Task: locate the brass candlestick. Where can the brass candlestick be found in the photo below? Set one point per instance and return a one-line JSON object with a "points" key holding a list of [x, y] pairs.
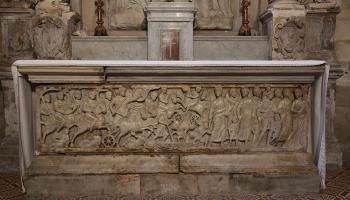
{"points": [[245, 29], [100, 30]]}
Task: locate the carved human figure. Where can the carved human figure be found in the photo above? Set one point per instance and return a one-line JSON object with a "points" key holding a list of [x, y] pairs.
{"points": [[257, 98], [246, 111], [155, 109], [202, 108], [61, 104], [86, 121], [218, 119], [191, 96], [299, 109], [284, 109], [151, 105], [51, 121], [233, 122], [119, 106], [266, 118]]}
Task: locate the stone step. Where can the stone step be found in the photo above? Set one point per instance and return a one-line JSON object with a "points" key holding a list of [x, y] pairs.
{"points": [[169, 184], [258, 163]]}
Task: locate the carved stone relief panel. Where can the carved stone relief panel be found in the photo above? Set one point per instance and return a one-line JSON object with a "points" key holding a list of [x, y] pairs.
{"points": [[289, 38], [214, 14], [172, 118], [126, 14], [211, 15]]}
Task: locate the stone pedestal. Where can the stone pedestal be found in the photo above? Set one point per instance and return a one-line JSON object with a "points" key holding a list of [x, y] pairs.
{"points": [[170, 30], [284, 23]]}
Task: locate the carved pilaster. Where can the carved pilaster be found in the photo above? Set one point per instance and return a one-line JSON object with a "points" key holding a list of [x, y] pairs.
{"points": [[284, 23]]}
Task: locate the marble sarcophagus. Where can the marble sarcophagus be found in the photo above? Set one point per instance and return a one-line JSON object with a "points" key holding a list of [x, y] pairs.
{"points": [[182, 128]]}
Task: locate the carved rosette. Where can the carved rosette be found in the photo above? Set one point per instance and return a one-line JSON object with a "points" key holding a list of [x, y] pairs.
{"points": [[172, 118], [288, 41]]}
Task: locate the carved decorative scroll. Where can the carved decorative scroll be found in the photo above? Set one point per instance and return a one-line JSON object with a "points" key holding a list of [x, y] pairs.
{"points": [[172, 118]]}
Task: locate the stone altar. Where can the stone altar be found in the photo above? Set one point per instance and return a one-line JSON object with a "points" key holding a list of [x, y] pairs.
{"points": [[152, 127]]}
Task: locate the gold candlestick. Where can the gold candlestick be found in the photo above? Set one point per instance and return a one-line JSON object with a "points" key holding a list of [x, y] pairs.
{"points": [[245, 29], [100, 30]]}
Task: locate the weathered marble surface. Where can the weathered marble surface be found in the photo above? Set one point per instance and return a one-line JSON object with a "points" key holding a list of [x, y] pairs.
{"points": [[171, 118]]}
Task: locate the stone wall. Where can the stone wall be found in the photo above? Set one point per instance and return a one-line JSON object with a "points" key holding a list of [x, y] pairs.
{"points": [[342, 49]]}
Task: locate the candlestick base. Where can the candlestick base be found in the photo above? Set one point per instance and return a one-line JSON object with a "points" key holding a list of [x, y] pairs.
{"points": [[245, 30], [100, 30]]}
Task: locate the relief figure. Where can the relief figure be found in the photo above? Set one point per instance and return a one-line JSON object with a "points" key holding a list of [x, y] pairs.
{"points": [[219, 126], [266, 117], [246, 111], [299, 111], [234, 98]]}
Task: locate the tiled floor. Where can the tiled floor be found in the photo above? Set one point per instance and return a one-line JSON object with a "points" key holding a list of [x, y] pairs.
{"points": [[338, 188]]}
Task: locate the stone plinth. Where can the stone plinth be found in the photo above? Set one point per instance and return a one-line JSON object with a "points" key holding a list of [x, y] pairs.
{"points": [[170, 30], [160, 127]]}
